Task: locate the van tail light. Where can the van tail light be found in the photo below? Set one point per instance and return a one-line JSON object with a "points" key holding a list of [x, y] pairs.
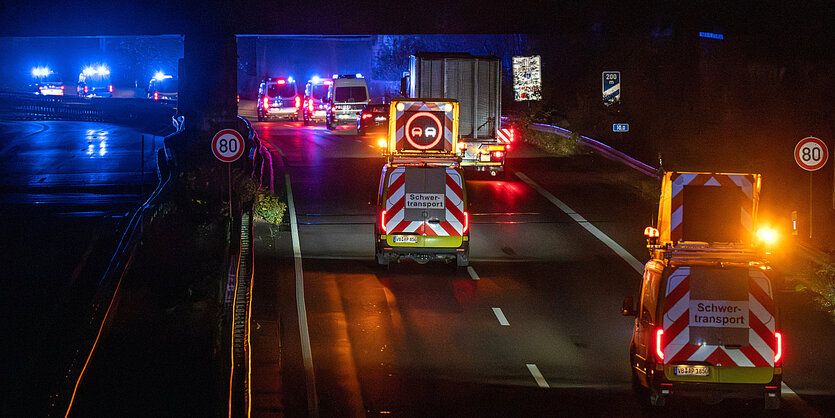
{"points": [[310, 105], [366, 116], [383, 221], [466, 221], [266, 102], [110, 88], [298, 102], [156, 95], [659, 352], [778, 349], [512, 135], [498, 155], [62, 86], [86, 89]]}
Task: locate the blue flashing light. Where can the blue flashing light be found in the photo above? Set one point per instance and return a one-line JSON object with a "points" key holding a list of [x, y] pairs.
{"points": [[359, 75], [315, 79], [711, 35], [335, 76], [41, 71], [159, 76], [290, 79]]}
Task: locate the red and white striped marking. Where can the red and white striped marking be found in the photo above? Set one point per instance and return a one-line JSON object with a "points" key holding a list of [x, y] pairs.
{"points": [[505, 136], [455, 221], [744, 182], [675, 342]]}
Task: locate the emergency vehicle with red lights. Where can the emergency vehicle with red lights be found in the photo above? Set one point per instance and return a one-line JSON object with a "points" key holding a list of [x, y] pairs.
{"points": [[706, 322], [278, 97], [475, 82], [94, 81], [347, 95], [314, 105], [422, 198]]}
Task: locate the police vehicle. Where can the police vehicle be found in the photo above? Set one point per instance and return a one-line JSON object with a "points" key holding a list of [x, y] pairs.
{"points": [[46, 82], [163, 87], [347, 96], [278, 97], [314, 105], [94, 81]]}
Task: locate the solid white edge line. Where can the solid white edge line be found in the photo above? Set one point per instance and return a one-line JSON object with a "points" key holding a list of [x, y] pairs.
{"points": [[307, 354], [500, 316], [537, 375], [472, 272], [620, 251]]}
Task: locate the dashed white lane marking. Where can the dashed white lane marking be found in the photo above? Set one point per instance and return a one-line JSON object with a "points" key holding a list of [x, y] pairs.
{"points": [[620, 251], [307, 354], [500, 316], [472, 273], [537, 375]]}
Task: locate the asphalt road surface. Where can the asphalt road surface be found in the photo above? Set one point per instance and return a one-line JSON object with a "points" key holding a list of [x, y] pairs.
{"points": [[65, 189], [532, 328]]}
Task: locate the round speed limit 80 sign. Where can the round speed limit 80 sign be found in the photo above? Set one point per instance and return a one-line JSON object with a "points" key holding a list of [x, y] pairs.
{"points": [[228, 145], [811, 153]]}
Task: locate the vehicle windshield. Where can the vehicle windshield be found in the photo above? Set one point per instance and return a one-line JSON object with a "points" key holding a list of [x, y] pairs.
{"points": [[53, 78], [167, 85], [350, 94], [319, 91], [97, 81], [281, 90]]}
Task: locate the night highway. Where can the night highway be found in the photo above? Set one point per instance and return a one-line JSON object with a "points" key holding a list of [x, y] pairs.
{"points": [[417, 209], [531, 328]]}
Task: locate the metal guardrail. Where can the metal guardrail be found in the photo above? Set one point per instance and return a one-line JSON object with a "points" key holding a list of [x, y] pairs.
{"points": [[599, 147], [35, 107]]}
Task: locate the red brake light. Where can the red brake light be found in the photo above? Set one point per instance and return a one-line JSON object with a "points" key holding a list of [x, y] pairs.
{"points": [[282, 81], [110, 88], [156, 95], [383, 221], [466, 221], [366, 116], [512, 135], [498, 155], [298, 102], [778, 352], [266, 102], [310, 105], [659, 352], [86, 89]]}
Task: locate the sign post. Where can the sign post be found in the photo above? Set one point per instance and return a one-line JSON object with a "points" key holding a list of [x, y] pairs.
{"points": [[228, 146], [811, 155]]}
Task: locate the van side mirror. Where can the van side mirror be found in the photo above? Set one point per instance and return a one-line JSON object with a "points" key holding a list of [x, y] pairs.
{"points": [[628, 308], [404, 86]]}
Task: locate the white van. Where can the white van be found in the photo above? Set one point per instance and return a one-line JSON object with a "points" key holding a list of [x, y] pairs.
{"points": [[346, 98]]}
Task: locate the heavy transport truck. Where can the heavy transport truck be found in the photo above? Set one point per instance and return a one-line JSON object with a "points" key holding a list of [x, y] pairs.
{"points": [[475, 82]]}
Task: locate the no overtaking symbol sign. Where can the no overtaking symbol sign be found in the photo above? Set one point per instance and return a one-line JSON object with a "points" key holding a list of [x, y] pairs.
{"points": [[228, 145], [811, 154]]}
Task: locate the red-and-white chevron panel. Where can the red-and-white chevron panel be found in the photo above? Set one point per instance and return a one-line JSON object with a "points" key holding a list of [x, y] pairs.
{"points": [[676, 321], [743, 182], [455, 220], [505, 136]]}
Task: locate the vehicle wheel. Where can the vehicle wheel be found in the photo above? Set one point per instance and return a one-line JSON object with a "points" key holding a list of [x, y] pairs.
{"points": [[772, 402], [656, 399], [328, 125], [462, 259], [306, 121], [383, 259]]}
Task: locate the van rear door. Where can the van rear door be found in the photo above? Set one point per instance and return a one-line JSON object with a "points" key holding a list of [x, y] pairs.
{"points": [[722, 318], [425, 201]]}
